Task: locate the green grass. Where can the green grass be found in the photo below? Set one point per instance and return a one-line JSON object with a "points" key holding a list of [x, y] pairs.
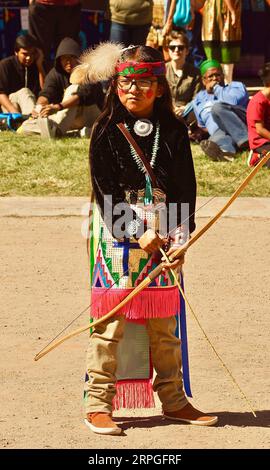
{"points": [[39, 167], [31, 166]]}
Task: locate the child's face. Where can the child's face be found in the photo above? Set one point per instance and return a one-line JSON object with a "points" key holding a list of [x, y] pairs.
{"points": [[138, 95]]}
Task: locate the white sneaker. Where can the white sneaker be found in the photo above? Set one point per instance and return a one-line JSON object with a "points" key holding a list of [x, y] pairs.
{"points": [[85, 132]]}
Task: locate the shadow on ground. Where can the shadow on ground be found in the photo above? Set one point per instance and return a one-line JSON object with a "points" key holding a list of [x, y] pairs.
{"points": [[226, 418]]}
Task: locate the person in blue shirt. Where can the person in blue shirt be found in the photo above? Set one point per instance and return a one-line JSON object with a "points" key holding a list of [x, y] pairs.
{"points": [[221, 110]]}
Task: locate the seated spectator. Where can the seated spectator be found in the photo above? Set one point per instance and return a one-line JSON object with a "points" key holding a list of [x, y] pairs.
{"points": [[184, 79], [221, 110], [63, 106], [258, 120], [21, 77]]}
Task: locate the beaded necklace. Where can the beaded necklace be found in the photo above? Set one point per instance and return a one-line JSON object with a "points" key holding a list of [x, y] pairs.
{"points": [[135, 156]]}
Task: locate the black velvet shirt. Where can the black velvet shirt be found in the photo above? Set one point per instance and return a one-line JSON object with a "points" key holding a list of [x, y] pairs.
{"points": [[114, 171]]}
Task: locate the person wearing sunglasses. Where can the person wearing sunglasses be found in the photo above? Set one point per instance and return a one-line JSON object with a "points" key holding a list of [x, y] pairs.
{"points": [[221, 109], [184, 79]]}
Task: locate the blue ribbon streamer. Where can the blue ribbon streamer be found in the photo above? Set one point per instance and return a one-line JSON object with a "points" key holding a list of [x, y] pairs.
{"points": [[182, 322]]}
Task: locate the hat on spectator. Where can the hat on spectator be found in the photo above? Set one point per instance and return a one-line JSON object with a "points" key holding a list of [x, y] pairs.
{"points": [[209, 64]]}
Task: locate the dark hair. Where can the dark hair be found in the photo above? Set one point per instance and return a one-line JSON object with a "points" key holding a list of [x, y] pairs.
{"points": [[25, 41], [163, 105], [264, 74]]}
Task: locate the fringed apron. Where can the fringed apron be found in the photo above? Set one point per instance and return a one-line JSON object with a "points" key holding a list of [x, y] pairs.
{"points": [[116, 268]]}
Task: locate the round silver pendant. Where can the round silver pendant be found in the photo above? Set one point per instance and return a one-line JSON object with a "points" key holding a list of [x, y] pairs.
{"points": [[143, 127]]}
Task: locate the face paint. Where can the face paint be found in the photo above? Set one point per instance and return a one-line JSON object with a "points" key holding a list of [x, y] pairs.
{"points": [[121, 92], [137, 102], [149, 93]]}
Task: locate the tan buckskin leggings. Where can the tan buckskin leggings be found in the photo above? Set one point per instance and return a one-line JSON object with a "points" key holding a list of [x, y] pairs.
{"points": [[102, 363]]}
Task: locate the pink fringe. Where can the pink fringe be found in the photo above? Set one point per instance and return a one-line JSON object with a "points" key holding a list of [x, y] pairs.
{"points": [[150, 303], [134, 394]]}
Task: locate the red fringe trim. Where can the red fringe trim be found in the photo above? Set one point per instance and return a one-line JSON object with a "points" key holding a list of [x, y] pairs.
{"points": [[150, 303], [134, 394]]}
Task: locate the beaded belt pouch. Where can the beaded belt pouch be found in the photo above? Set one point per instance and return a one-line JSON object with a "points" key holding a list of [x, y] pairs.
{"points": [[138, 197]]}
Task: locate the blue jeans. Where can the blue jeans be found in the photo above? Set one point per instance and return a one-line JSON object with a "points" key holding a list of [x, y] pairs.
{"points": [[129, 34], [232, 128]]}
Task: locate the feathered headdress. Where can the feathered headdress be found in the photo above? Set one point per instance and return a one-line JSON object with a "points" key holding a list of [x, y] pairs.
{"points": [[104, 62], [97, 64]]}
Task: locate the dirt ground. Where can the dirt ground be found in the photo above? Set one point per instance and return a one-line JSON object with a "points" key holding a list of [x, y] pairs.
{"points": [[44, 285]]}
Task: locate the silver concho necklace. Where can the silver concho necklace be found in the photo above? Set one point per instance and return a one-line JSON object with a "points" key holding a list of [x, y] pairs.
{"points": [[154, 150], [143, 127]]}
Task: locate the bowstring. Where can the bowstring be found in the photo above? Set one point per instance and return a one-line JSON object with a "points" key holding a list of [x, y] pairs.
{"points": [[81, 313], [127, 270], [207, 202], [195, 317]]}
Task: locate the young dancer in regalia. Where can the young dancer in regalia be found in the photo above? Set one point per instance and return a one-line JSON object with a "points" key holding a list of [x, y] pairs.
{"points": [[127, 236]]}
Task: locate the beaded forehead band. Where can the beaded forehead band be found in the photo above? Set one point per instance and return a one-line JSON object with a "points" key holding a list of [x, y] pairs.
{"points": [[134, 69]]}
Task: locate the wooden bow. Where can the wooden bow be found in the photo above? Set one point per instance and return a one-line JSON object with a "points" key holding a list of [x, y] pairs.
{"points": [[156, 272]]}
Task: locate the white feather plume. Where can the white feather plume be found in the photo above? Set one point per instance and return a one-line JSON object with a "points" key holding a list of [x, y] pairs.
{"points": [[98, 64], [78, 74]]}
